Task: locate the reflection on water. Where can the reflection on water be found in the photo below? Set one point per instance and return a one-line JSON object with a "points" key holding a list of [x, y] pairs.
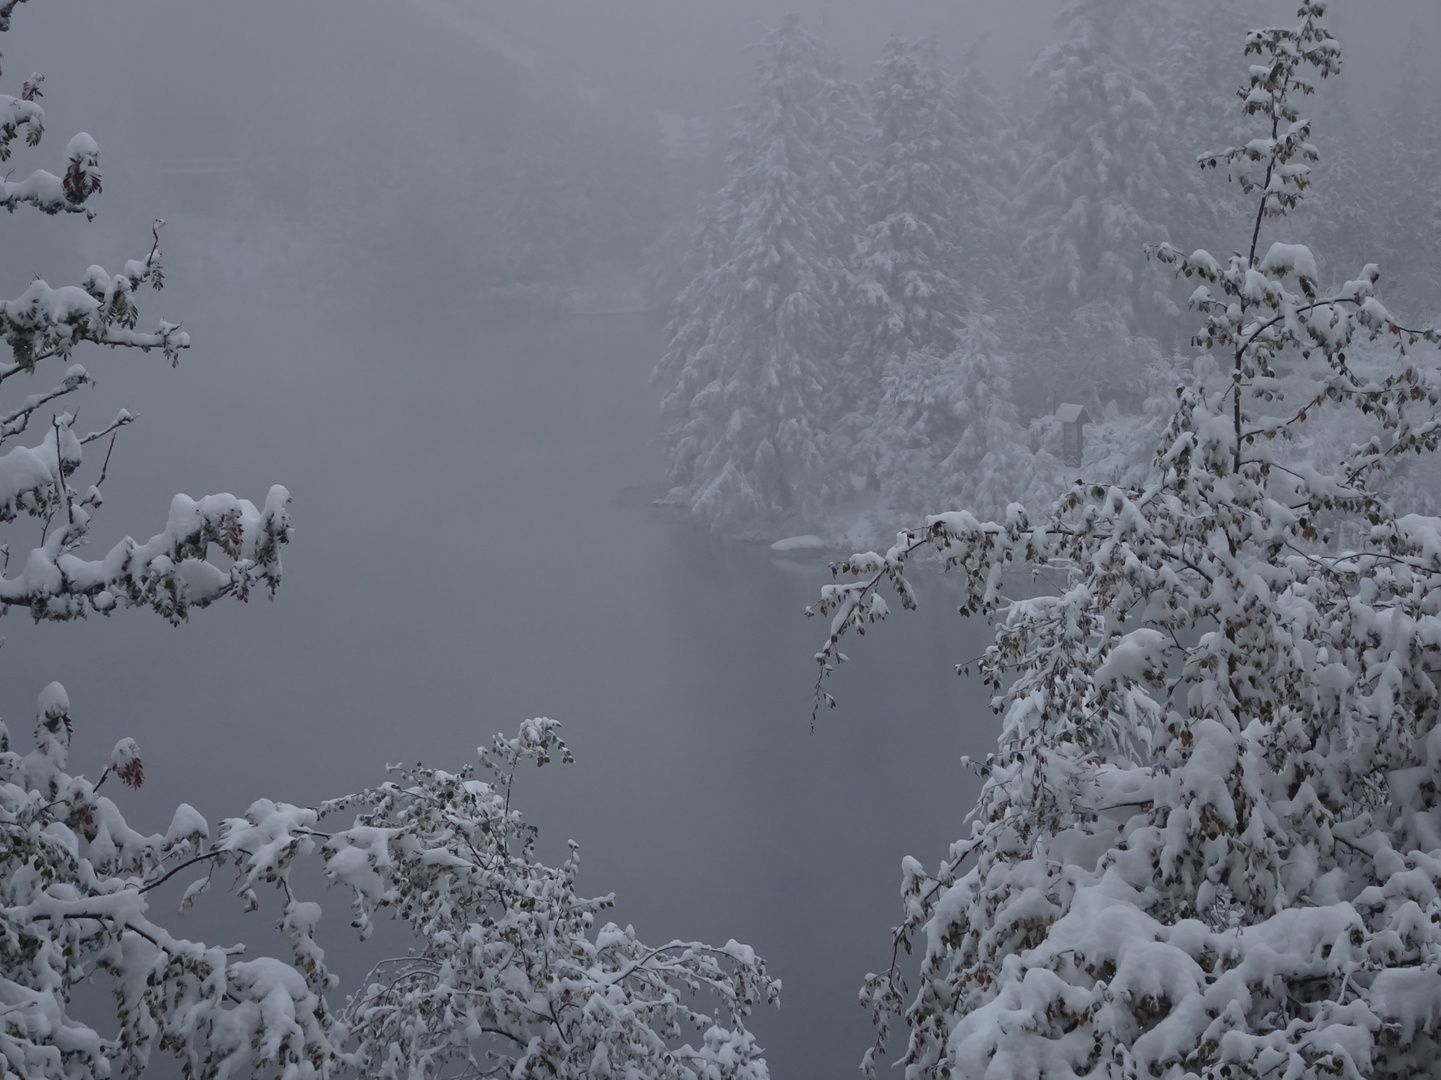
{"points": [[476, 544]]}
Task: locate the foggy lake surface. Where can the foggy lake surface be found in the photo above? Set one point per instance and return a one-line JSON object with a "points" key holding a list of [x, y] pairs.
{"points": [[476, 544]]}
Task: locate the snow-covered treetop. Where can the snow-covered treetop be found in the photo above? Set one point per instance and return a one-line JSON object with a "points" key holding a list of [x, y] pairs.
{"points": [[752, 352], [907, 259], [511, 975], [1210, 840], [1085, 217], [515, 977]]}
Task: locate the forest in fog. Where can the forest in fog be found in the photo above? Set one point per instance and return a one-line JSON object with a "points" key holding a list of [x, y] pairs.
{"points": [[601, 374], [966, 234]]}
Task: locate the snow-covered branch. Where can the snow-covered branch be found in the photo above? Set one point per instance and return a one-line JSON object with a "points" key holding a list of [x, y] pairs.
{"points": [[511, 971]]}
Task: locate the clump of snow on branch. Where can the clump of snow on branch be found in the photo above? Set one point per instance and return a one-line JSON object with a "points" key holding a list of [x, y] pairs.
{"points": [[74, 879]]}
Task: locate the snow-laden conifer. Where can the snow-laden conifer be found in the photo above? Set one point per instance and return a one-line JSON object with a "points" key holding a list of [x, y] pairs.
{"points": [[926, 382], [987, 156], [961, 438], [909, 304], [1209, 844], [907, 253], [1103, 181], [750, 369], [1189, 65]]}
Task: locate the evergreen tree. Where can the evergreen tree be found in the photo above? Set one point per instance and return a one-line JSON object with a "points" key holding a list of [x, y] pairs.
{"points": [[1130, 80], [925, 373], [907, 253], [910, 306], [1208, 845], [949, 430], [751, 365], [985, 152], [1190, 67], [1101, 183]]}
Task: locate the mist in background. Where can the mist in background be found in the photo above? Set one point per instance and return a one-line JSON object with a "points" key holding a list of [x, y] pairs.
{"points": [[420, 248]]}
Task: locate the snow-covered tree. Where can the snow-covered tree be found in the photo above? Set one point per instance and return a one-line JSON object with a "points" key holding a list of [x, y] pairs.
{"points": [[988, 156], [1208, 843], [1128, 79], [510, 975], [750, 369], [910, 305], [946, 429], [1128, 84], [907, 252], [74, 879], [1099, 187], [925, 384], [1189, 67], [513, 977]]}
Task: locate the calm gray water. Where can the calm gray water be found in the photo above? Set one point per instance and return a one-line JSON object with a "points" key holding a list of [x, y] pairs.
{"points": [[476, 544]]}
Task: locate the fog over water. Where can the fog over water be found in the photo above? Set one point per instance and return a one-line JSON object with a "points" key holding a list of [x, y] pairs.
{"points": [[476, 540]]}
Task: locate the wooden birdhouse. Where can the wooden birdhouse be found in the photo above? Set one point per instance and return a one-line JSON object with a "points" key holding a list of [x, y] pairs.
{"points": [[1074, 419]]}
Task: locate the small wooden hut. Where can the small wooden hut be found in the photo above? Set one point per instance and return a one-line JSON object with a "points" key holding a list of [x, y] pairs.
{"points": [[1074, 419]]}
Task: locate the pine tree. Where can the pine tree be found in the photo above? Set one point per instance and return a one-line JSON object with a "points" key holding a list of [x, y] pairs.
{"points": [[928, 385], [1191, 69], [985, 151], [751, 364], [1100, 185], [1129, 80], [1209, 842], [907, 252], [910, 306], [950, 432]]}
